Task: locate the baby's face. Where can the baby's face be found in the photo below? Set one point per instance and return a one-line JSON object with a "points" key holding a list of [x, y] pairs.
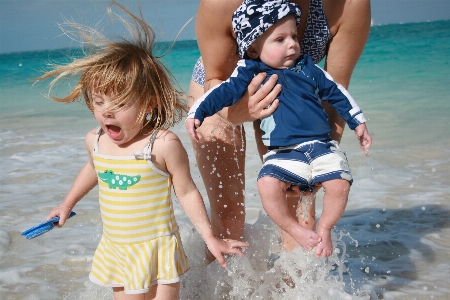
{"points": [[278, 47]]}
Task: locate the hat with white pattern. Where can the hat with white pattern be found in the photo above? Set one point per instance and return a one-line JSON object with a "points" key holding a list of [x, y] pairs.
{"points": [[254, 17]]}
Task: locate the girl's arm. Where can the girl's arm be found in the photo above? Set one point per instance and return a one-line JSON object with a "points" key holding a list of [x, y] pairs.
{"points": [[168, 149], [85, 181]]}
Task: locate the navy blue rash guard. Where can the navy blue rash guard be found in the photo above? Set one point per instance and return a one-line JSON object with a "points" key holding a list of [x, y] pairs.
{"points": [[300, 117]]}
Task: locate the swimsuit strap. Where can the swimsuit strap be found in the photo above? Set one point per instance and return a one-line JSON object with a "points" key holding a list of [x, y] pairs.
{"points": [[148, 148], [97, 135]]}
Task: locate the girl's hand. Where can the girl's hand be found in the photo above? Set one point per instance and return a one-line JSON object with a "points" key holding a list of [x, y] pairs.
{"points": [[255, 103], [364, 138], [62, 212], [226, 246]]}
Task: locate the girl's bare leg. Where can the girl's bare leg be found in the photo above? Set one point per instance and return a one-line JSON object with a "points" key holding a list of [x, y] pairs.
{"points": [[273, 198], [334, 203], [156, 292]]}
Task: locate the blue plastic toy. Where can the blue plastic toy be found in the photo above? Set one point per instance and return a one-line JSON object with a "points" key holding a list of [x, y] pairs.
{"points": [[43, 227]]}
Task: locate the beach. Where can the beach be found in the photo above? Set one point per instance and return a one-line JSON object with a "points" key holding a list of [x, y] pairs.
{"points": [[393, 241]]}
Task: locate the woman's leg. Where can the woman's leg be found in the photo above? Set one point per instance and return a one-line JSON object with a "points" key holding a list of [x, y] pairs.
{"points": [[156, 292], [303, 209], [221, 162]]}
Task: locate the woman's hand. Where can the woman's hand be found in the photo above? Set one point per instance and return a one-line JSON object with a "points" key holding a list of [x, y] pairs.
{"points": [[258, 102]]}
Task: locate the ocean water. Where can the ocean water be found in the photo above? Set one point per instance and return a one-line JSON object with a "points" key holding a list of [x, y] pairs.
{"points": [[393, 241]]}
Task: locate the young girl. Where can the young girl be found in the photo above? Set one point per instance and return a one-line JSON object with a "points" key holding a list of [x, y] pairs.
{"points": [[134, 159]]}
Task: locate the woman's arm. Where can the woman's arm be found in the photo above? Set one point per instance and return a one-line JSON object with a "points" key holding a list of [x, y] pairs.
{"points": [[217, 46], [215, 39], [350, 24]]}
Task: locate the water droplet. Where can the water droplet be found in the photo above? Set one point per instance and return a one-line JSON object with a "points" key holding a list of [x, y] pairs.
{"points": [[378, 225], [433, 170], [425, 288], [225, 206], [423, 208], [366, 270], [388, 271]]}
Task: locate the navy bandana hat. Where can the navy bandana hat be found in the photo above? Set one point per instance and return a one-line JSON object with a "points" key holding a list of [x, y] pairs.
{"points": [[254, 17]]}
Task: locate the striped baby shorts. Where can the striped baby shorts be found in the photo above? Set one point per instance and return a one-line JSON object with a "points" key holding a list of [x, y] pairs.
{"points": [[307, 164]]}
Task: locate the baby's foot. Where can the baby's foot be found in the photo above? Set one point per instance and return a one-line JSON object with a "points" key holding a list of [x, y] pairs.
{"points": [[325, 247], [307, 238]]}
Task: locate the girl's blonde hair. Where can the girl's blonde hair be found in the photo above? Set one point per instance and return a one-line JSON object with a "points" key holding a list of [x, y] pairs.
{"points": [[122, 70]]}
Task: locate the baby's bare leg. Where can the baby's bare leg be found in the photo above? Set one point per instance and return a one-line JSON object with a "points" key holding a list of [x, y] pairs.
{"points": [[334, 202], [273, 198]]}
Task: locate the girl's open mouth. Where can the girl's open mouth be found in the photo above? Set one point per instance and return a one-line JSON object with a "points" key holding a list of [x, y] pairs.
{"points": [[113, 131]]}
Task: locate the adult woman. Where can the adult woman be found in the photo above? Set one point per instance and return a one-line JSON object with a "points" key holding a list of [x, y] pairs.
{"points": [[337, 29]]}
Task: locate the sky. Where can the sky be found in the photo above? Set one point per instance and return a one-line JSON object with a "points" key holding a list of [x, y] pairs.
{"points": [[30, 25]]}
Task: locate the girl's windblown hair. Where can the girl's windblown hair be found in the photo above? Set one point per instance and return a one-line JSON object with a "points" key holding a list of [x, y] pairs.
{"points": [[124, 70]]}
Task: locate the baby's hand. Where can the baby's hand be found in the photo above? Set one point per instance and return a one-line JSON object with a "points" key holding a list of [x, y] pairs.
{"points": [[364, 138], [191, 126], [226, 246]]}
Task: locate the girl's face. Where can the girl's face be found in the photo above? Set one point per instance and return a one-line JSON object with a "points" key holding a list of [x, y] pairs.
{"points": [[120, 124], [278, 47]]}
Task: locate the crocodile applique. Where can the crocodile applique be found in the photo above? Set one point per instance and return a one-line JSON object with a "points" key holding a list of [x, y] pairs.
{"points": [[118, 180]]}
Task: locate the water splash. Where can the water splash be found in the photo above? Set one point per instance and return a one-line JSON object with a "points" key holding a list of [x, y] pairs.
{"points": [[267, 272]]}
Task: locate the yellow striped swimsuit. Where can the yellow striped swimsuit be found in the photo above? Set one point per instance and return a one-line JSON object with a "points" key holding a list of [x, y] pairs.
{"points": [[140, 244]]}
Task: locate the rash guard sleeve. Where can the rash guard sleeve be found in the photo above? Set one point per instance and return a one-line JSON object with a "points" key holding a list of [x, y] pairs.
{"points": [[225, 94]]}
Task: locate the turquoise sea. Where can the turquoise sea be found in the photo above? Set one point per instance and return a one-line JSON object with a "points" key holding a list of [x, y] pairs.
{"points": [[393, 241]]}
